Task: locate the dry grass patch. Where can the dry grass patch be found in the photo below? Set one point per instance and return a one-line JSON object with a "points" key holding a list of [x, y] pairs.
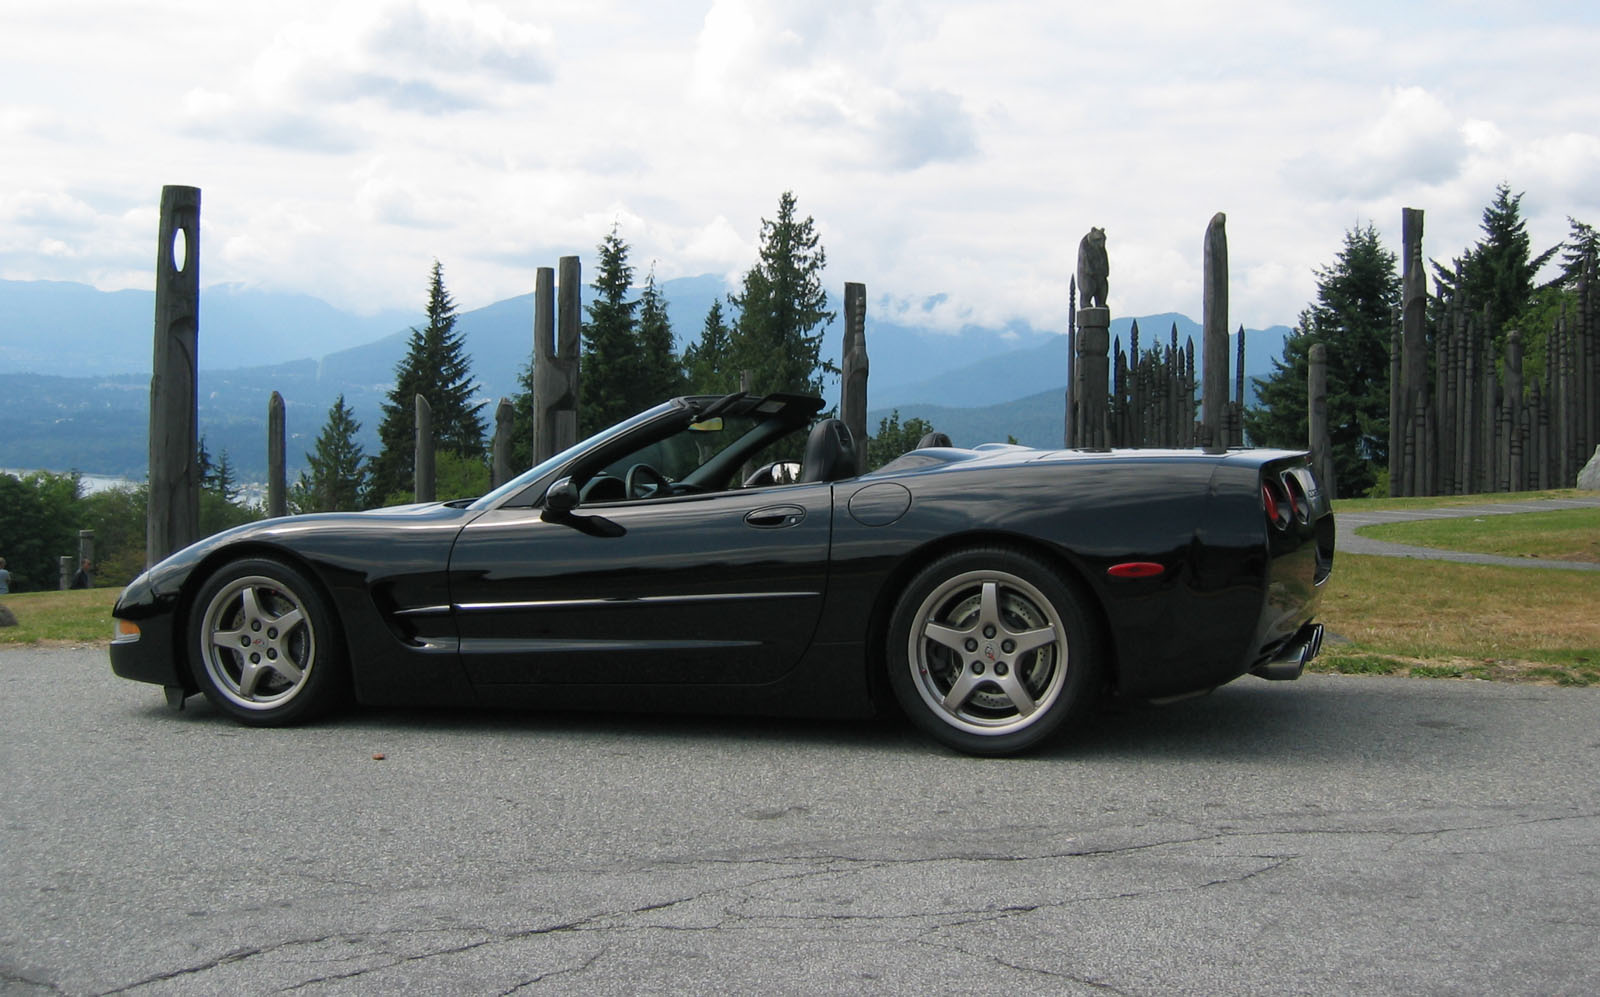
{"points": [[1400, 616]]}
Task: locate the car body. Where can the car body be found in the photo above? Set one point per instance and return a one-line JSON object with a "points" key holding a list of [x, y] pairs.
{"points": [[993, 592]]}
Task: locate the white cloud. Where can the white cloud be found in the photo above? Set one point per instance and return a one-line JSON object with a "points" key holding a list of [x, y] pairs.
{"points": [[1414, 141], [951, 153]]}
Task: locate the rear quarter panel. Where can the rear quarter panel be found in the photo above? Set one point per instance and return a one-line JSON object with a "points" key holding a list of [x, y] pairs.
{"points": [[1195, 625]]}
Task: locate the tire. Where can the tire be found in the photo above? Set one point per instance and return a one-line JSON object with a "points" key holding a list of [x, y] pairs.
{"points": [[264, 646], [991, 652]]}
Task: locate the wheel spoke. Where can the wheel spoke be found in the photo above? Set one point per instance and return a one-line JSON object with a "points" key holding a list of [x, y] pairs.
{"points": [[1028, 640], [287, 622], [948, 636], [286, 667], [960, 691], [989, 607], [1018, 693], [249, 678], [228, 640], [251, 606]]}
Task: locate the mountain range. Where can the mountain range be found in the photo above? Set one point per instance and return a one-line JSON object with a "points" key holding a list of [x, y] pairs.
{"points": [[75, 361]]}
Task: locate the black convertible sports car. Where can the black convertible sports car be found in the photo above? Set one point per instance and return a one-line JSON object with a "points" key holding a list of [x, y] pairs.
{"points": [[678, 561]]}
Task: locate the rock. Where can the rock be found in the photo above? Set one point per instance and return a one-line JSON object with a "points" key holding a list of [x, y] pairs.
{"points": [[1589, 477], [7, 618]]}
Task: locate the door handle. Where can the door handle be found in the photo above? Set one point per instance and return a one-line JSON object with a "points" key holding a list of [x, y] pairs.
{"points": [[776, 517]]}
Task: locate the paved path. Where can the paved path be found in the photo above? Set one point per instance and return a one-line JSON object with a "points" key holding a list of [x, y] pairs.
{"points": [[1350, 543]]}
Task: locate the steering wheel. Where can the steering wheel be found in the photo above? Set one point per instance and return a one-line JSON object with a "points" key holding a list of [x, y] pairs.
{"points": [[643, 476]]}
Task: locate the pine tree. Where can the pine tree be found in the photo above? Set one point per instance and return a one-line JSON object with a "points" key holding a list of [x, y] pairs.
{"points": [[437, 368], [1352, 316], [335, 478], [709, 369], [204, 465], [223, 481], [1579, 252], [783, 307], [661, 374], [611, 363], [1498, 273], [894, 438]]}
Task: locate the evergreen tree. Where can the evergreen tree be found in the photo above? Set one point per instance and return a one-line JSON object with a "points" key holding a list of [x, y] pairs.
{"points": [[335, 479], [1578, 253], [661, 375], [611, 363], [1352, 316], [894, 438], [706, 362], [783, 307], [1498, 273], [436, 367], [204, 465], [522, 417], [223, 481]]}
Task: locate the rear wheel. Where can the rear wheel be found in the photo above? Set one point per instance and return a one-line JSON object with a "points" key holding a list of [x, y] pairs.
{"points": [[264, 645], [991, 652]]}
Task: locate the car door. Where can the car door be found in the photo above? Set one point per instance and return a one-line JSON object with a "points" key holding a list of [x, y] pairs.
{"points": [[718, 588]]}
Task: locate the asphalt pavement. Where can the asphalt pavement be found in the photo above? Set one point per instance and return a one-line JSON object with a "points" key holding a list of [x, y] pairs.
{"points": [[1334, 835]]}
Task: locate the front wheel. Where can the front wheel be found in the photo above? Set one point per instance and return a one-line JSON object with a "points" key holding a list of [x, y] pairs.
{"points": [[991, 652], [265, 648]]}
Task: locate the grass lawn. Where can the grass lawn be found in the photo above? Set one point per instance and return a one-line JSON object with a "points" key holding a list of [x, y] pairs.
{"points": [[1563, 535], [76, 616]]}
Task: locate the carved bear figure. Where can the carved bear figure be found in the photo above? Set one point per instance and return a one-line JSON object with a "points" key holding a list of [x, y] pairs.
{"points": [[1093, 269]]}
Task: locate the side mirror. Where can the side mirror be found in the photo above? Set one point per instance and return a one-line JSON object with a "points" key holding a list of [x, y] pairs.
{"points": [[562, 497]]}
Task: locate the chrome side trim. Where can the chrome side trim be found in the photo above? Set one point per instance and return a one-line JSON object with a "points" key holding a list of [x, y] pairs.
{"points": [[658, 600], [423, 611], [541, 645]]}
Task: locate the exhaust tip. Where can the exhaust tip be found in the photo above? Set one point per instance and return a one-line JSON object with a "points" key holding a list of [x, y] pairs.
{"points": [[1290, 662]]}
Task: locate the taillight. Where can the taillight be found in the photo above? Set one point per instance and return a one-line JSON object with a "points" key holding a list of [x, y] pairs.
{"points": [[1275, 504], [1297, 497]]}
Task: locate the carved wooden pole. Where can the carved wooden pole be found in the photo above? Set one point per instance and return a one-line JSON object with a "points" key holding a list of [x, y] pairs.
{"points": [[1394, 401], [1094, 339], [277, 496], [1414, 356], [1236, 408], [555, 373], [1317, 419], [172, 519], [500, 469], [568, 319], [1214, 281], [1070, 430], [425, 479], [1516, 479], [853, 382]]}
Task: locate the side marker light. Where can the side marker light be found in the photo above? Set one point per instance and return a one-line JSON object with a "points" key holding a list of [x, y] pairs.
{"points": [[1136, 569]]}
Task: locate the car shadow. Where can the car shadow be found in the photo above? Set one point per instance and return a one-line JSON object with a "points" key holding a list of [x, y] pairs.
{"points": [[1350, 719]]}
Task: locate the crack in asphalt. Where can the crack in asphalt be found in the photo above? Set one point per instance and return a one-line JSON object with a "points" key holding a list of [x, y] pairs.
{"points": [[832, 865], [582, 967]]}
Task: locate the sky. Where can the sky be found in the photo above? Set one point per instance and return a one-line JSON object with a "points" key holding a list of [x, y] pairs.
{"points": [[952, 154]]}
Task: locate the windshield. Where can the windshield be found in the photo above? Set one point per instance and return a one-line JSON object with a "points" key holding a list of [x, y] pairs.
{"points": [[543, 468]]}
